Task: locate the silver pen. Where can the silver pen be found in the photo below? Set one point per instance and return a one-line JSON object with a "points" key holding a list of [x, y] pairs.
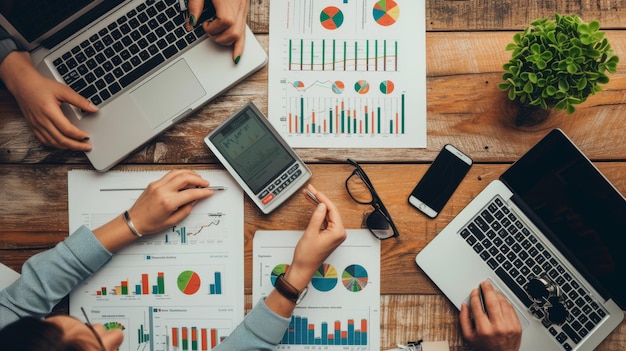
{"points": [[312, 196]]}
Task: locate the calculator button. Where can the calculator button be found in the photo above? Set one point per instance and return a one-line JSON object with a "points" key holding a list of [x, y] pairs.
{"points": [[267, 199]]}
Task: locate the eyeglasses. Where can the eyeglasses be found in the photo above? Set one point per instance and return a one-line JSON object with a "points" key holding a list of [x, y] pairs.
{"points": [[88, 324], [548, 302], [362, 191]]}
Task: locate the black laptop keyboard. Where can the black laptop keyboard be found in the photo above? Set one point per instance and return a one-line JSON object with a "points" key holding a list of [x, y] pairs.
{"points": [[126, 49], [515, 254]]}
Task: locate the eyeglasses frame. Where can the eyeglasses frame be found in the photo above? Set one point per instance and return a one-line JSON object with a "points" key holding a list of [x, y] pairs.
{"points": [[376, 202]]}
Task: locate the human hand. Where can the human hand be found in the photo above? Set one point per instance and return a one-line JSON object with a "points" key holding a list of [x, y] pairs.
{"points": [[497, 329], [229, 26], [324, 233], [40, 100], [168, 201]]}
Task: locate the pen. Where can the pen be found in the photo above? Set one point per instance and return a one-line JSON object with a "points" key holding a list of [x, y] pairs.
{"points": [[482, 298], [217, 187], [312, 196]]}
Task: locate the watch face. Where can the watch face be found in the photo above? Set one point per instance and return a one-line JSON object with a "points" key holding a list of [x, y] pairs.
{"points": [[302, 294]]}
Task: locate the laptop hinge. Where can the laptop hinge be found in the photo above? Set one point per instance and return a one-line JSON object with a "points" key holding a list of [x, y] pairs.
{"points": [[81, 22]]}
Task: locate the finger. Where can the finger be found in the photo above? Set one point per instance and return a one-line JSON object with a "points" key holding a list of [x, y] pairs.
{"points": [[194, 8], [479, 316], [70, 96], [317, 219], [492, 302], [63, 135], [467, 326], [238, 48]]}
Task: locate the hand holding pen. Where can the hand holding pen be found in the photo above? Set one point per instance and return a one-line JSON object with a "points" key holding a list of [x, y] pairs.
{"points": [[490, 323], [322, 235]]}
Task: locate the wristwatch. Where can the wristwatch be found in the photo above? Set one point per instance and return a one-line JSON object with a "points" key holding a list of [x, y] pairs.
{"points": [[289, 291]]}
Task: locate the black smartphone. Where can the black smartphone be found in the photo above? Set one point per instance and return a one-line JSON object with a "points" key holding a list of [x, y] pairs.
{"points": [[440, 181]]}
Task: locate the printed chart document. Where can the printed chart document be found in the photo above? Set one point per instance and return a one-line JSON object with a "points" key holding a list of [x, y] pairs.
{"points": [[341, 310], [181, 289], [348, 74]]}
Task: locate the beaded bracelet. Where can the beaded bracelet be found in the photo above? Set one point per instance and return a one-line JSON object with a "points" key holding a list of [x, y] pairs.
{"points": [[130, 224]]}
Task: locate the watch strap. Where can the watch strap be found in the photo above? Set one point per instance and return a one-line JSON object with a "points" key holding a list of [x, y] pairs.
{"points": [[287, 290]]}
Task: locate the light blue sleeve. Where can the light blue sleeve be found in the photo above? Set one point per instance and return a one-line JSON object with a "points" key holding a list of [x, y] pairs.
{"points": [[262, 329], [50, 275]]}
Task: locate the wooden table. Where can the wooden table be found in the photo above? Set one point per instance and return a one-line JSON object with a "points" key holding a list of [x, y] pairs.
{"points": [[465, 49]]}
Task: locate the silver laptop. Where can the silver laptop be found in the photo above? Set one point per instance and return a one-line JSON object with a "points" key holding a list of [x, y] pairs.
{"points": [[550, 234], [132, 58]]}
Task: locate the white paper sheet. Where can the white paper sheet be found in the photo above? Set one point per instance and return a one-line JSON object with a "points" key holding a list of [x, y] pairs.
{"points": [[343, 301], [348, 74], [186, 280]]}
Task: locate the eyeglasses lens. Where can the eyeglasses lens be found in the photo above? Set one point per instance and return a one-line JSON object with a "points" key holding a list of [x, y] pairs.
{"points": [[379, 225], [358, 190]]}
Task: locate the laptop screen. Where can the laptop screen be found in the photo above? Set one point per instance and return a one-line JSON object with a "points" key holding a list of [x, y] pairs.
{"points": [[585, 213], [34, 18]]}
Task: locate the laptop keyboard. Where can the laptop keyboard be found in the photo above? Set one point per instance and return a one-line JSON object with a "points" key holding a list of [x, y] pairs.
{"points": [[515, 254], [125, 50]]}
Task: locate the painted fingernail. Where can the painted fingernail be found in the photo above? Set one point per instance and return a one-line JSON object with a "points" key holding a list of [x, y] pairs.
{"points": [[85, 139], [192, 20], [237, 59]]}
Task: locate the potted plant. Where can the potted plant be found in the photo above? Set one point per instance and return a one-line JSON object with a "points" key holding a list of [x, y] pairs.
{"points": [[556, 64]]}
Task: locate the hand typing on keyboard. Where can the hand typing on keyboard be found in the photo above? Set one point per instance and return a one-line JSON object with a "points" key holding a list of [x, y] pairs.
{"points": [[40, 98], [495, 329], [229, 25]]}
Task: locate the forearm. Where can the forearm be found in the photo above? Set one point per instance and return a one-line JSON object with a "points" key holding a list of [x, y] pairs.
{"points": [[51, 275], [15, 68], [115, 234]]}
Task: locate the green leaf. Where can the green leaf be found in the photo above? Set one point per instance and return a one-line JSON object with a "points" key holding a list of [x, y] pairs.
{"points": [[572, 68], [528, 88]]}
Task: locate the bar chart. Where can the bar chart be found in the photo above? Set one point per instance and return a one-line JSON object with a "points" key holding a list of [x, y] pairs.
{"points": [[350, 332], [193, 338], [357, 115], [358, 55]]}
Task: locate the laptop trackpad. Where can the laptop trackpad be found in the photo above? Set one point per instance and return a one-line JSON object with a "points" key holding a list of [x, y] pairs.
{"points": [[168, 94]]}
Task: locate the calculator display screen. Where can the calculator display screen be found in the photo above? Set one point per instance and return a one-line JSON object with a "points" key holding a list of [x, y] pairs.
{"points": [[252, 150]]}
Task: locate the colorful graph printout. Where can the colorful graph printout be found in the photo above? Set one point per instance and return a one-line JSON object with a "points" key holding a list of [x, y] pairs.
{"points": [[331, 316], [192, 271], [347, 75]]}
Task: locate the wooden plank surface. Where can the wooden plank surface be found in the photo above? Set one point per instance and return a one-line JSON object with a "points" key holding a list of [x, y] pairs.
{"points": [[464, 106], [36, 215]]}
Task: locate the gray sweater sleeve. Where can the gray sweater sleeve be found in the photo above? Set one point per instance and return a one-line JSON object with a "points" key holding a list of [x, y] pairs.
{"points": [[50, 275], [7, 45], [262, 329]]}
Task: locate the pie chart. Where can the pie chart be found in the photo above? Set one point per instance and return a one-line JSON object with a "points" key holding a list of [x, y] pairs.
{"points": [[361, 87], [331, 18], [354, 278], [338, 87], [386, 87], [325, 278], [278, 270], [386, 12], [188, 282]]}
